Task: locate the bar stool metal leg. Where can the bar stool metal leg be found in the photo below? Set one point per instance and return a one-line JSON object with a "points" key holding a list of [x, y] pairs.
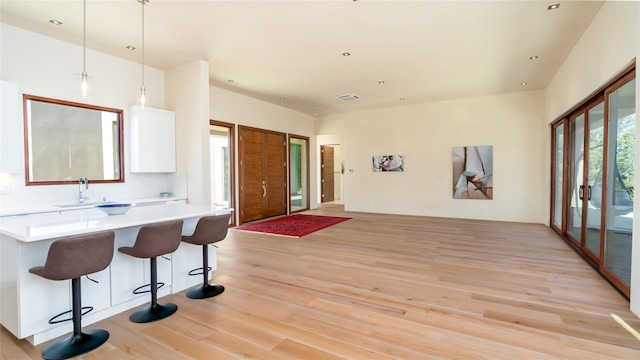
{"points": [[209, 230], [80, 342], [154, 311], [206, 290]]}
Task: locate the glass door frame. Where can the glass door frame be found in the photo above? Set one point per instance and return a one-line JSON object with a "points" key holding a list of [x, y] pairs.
{"points": [[232, 164], [571, 174], [588, 191], [306, 175], [564, 125], [585, 188]]}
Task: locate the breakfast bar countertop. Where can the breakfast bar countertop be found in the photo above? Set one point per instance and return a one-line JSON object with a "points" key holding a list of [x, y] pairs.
{"points": [[41, 209], [67, 223]]}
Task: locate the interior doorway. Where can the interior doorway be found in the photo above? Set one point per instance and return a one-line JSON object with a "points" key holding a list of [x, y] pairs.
{"points": [[336, 142], [222, 157], [327, 180]]}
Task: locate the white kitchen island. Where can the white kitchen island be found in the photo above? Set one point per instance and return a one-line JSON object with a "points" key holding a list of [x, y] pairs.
{"points": [[28, 301]]}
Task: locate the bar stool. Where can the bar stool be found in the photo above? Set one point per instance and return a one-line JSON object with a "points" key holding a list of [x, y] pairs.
{"points": [[154, 240], [209, 230], [71, 258]]}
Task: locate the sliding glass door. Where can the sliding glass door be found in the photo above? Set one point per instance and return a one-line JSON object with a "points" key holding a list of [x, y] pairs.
{"points": [[557, 176], [576, 181], [592, 188], [620, 178], [592, 196]]}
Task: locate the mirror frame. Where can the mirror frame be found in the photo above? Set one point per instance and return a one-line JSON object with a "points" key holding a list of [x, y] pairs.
{"points": [[120, 114]]}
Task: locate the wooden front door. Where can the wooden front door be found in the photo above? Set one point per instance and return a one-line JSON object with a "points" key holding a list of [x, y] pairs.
{"points": [[263, 172], [327, 180]]}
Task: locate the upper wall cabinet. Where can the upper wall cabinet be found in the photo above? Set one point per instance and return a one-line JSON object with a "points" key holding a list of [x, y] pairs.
{"points": [[11, 130], [153, 140]]}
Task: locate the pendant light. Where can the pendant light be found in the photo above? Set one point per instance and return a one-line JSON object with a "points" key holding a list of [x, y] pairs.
{"points": [[143, 98], [83, 79]]}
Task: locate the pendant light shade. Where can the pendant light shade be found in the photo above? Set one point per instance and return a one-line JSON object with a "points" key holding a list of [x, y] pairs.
{"points": [[83, 80], [143, 96], [84, 85]]}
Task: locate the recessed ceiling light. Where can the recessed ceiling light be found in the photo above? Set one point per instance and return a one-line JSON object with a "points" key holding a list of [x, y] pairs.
{"points": [[523, 83], [55, 22], [381, 82], [553, 7], [230, 81], [534, 57], [346, 54], [283, 98], [403, 99], [129, 47]]}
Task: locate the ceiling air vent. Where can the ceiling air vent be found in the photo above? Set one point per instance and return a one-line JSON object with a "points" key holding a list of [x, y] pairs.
{"points": [[347, 97]]}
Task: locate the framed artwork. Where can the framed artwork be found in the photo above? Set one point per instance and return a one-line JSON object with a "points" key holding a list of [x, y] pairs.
{"points": [[384, 163], [473, 172]]}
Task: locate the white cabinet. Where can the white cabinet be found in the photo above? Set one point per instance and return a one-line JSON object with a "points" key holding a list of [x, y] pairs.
{"points": [[153, 140], [11, 158]]}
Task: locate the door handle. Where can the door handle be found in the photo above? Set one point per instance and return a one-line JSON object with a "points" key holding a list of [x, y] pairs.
{"points": [[264, 190], [589, 192], [581, 192]]}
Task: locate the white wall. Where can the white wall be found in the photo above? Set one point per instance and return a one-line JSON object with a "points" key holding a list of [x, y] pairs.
{"points": [[45, 67], [610, 43], [239, 109], [188, 95], [607, 46], [425, 134]]}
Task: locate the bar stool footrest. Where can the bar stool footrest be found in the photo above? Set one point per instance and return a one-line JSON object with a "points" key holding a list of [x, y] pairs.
{"points": [[199, 271], [138, 290], [85, 310]]}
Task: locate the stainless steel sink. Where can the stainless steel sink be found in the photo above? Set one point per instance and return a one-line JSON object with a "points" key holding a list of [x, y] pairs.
{"points": [[85, 204]]}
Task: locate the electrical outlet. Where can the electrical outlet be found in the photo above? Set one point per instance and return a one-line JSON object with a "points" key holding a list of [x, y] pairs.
{"points": [[6, 189]]}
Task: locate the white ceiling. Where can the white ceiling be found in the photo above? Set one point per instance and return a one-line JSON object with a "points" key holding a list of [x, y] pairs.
{"points": [[422, 50]]}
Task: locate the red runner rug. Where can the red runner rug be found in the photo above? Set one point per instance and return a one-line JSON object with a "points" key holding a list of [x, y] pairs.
{"points": [[294, 225]]}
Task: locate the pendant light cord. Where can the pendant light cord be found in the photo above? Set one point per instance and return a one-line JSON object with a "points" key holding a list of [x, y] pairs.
{"points": [[142, 2], [84, 37]]}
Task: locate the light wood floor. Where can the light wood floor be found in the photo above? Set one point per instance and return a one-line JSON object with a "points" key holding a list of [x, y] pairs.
{"points": [[386, 287]]}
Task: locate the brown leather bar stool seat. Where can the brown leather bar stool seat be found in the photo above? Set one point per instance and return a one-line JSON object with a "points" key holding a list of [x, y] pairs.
{"points": [[209, 230], [71, 258], [152, 241]]}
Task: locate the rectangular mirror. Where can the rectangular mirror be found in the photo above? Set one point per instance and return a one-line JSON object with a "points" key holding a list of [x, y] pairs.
{"points": [[65, 141]]}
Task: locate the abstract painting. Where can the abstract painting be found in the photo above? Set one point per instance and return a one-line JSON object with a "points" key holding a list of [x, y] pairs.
{"points": [[473, 172], [388, 163]]}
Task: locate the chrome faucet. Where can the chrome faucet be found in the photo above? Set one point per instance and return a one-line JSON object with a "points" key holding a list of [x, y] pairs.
{"points": [[85, 181]]}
